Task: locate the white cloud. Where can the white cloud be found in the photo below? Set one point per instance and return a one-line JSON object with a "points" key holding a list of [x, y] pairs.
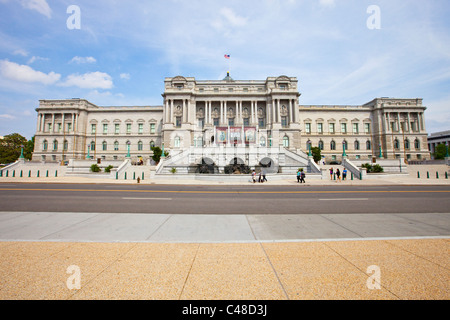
{"points": [[7, 116], [24, 73], [80, 60], [327, 3], [40, 6], [125, 76], [233, 18], [36, 58], [20, 52], [92, 80]]}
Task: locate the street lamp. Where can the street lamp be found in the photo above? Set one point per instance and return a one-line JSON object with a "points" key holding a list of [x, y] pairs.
{"points": [[89, 150], [21, 152], [381, 152], [128, 144]]}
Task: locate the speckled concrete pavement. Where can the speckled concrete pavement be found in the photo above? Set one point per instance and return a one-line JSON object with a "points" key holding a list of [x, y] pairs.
{"points": [[360, 269]]}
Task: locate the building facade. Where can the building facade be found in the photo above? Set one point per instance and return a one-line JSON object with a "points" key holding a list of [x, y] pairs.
{"points": [[231, 113]]}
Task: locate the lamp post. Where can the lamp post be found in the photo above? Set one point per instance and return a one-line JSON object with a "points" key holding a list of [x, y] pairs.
{"points": [[128, 147], [162, 153], [22, 157], [89, 150], [381, 152], [344, 154]]}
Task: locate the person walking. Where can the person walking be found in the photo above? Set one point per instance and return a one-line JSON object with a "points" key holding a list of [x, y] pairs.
{"points": [[302, 176], [254, 176], [331, 173], [344, 174], [264, 175], [298, 175], [259, 177], [338, 174]]}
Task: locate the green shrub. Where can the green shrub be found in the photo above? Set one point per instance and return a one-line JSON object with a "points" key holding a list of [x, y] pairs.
{"points": [[373, 169], [173, 170], [95, 168], [108, 168]]}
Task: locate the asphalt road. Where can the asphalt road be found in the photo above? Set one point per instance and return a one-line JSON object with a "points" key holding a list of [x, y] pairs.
{"points": [[252, 199]]}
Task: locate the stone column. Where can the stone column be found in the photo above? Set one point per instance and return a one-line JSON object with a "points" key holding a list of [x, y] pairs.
{"points": [[53, 123], [291, 119], [171, 111]]}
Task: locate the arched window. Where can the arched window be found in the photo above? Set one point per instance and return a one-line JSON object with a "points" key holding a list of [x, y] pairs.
{"points": [[344, 145], [286, 141], [356, 145], [116, 146], [177, 142], [45, 145], [152, 144], [396, 144], [66, 145], [321, 145], [368, 145], [332, 145], [417, 144], [92, 145], [262, 141], [105, 146], [140, 146], [407, 144], [55, 145]]}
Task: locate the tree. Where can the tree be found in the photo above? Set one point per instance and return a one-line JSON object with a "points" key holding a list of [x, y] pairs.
{"points": [[11, 146], [157, 153], [316, 153], [440, 152]]}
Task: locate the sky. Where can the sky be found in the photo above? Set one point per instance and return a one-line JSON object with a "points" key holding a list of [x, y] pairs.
{"points": [[117, 53]]}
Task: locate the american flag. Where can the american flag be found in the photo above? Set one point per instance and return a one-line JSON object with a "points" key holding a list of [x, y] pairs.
{"points": [[227, 56]]}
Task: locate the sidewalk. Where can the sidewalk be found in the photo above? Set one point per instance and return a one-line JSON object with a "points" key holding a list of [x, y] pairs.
{"points": [[395, 180], [372, 270]]}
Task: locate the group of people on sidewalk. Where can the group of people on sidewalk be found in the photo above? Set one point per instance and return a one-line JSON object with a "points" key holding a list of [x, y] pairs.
{"points": [[338, 174], [261, 176]]}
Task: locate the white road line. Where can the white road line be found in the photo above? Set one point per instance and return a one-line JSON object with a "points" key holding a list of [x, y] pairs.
{"points": [[165, 199], [345, 199]]}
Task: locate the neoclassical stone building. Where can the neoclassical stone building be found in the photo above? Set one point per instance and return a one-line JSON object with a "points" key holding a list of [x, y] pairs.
{"points": [[228, 114]]}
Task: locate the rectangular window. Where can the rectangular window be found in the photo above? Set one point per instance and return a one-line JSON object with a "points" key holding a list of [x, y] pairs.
{"points": [[367, 128], [320, 128], [201, 123], [284, 122], [93, 128], [246, 122], [216, 122], [355, 128], [117, 128], [152, 128], [141, 128], [231, 122], [59, 127], [261, 123], [105, 128], [308, 128], [128, 128], [343, 128], [178, 122], [69, 127], [50, 127], [331, 128]]}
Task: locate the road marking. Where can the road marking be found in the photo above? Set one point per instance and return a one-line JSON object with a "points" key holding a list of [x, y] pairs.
{"points": [[346, 199], [166, 199]]}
